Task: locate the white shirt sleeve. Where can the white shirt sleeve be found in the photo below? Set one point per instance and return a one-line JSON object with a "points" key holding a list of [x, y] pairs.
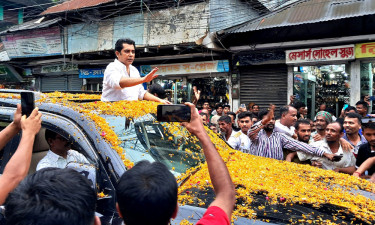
{"points": [[141, 92], [113, 76]]}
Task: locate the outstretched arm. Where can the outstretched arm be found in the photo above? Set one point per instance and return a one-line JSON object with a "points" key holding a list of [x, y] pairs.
{"points": [[364, 166], [19, 164], [221, 180]]}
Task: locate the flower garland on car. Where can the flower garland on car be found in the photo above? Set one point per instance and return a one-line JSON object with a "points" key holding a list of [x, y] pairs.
{"points": [[280, 182]]}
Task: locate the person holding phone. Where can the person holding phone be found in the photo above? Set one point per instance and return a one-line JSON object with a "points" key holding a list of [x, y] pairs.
{"points": [[122, 80], [18, 166], [154, 200], [343, 160]]}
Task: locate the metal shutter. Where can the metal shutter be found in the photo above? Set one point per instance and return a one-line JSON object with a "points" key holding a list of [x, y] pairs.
{"points": [[54, 83], [263, 85], [74, 83]]}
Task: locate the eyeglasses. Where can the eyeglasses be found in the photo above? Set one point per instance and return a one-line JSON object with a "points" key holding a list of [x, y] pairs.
{"points": [[127, 51]]}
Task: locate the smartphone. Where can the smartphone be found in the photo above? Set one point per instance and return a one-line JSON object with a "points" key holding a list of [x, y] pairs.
{"points": [[337, 158], [372, 98], [173, 113], [27, 102], [345, 106], [243, 106]]}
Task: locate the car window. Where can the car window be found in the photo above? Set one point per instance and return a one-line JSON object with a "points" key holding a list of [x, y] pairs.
{"points": [[146, 139]]}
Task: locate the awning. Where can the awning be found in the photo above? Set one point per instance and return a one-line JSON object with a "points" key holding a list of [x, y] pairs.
{"points": [[305, 12]]}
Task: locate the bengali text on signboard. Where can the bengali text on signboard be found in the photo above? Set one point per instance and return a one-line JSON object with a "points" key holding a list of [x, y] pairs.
{"points": [[337, 53], [218, 66]]}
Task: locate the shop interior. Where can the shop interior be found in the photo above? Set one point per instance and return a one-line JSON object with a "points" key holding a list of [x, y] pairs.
{"points": [[213, 89], [327, 84], [367, 79]]}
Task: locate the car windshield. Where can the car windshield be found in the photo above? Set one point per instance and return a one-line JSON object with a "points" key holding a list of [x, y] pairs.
{"points": [[146, 139]]}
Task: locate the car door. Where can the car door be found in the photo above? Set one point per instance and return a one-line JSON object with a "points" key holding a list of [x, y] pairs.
{"points": [[82, 141]]}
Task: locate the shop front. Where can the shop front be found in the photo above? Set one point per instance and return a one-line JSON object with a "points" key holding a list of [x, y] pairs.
{"points": [[210, 77], [92, 78], [365, 54], [58, 77], [321, 75]]}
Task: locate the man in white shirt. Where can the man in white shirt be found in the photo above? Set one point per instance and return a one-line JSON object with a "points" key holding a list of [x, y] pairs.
{"points": [[331, 144], [237, 140], [288, 118], [60, 154], [122, 80]]}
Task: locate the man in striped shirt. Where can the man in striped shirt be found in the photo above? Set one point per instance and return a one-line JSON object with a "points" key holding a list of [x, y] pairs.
{"points": [[268, 143]]}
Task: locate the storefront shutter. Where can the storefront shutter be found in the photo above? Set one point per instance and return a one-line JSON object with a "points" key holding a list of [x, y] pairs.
{"points": [[263, 85], [74, 83], [54, 83]]}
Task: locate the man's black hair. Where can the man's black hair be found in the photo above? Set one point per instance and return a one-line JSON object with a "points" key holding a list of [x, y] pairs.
{"points": [[157, 89], [365, 105], [301, 121], [368, 126], [120, 43], [50, 134], [226, 106], [353, 116], [350, 108], [341, 126], [299, 105], [284, 110], [242, 115], [218, 106], [225, 119], [52, 196], [262, 113], [147, 194], [233, 114]]}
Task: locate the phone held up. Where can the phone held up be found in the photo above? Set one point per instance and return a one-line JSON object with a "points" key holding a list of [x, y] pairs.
{"points": [[173, 113], [27, 102]]}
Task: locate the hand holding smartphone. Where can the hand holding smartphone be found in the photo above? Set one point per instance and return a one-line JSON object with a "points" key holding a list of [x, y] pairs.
{"points": [[337, 158], [27, 102], [173, 113]]}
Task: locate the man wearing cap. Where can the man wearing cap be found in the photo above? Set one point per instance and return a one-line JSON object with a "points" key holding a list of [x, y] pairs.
{"points": [[322, 119]]}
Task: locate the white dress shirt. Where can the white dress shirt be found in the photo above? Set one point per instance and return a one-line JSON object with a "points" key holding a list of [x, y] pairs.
{"points": [[56, 161], [111, 83], [347, 160], [284, 129], [239, 141]]}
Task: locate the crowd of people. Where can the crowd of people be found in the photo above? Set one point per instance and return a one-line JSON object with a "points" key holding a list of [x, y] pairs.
{"points": [[147, 193], [342, 144]]}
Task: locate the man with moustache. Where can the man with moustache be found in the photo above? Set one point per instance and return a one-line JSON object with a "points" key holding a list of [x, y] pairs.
{"points": [[60, 154], [288, 118], [270, 144], [303, 132], [352, 125], [331, 145]]}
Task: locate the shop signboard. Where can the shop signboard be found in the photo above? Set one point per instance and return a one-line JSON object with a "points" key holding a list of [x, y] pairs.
{"points": [[59, 68], [365, 50], [336, 53], [33, 43], [217, 66], [91, 73]]}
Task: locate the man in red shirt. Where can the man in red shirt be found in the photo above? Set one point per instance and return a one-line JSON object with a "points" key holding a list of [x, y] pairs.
{"points": [[147, 193]]}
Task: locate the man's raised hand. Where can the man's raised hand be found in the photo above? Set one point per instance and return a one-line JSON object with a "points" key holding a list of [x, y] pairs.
{"points": [[149, 77]]}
